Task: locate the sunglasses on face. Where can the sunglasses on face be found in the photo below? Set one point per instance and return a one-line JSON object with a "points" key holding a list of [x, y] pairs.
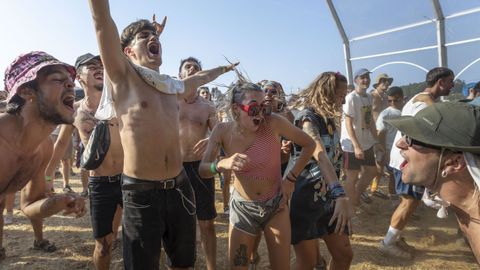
{"points": [[411, 142], [272, 92], [254, 109]]}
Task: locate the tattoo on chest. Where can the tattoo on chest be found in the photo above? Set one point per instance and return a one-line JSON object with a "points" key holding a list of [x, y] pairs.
{"points": [[241, 256]]}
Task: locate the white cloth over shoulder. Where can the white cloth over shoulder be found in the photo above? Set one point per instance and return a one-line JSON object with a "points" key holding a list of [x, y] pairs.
{"points": [[163, 83], [473, 165]]}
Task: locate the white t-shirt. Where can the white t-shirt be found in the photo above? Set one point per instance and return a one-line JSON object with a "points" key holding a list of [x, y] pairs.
{"points": [[410, 108], [388, 113], [360, 109]]}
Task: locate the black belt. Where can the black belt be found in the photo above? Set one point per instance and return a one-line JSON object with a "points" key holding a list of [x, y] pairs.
{"points": [[130, 183], [103, 179]]}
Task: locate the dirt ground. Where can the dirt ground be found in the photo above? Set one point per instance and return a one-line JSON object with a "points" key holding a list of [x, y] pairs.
{"points": [[436, 242]]}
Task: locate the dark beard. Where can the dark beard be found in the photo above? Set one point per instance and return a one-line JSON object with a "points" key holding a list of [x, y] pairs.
{"points": [[49, 113]]}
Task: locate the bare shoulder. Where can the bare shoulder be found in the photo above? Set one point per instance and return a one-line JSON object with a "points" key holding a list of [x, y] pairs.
{"points": [[10, 127]]}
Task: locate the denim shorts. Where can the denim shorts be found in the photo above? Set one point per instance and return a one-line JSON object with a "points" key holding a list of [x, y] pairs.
{"points": [[401, 188], [105, 195], [154, 214], [311, 207], [251, 216], [204, 191]]}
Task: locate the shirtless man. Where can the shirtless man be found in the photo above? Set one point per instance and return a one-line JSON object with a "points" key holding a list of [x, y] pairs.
{"points": [[104, 182], [40, 97], [158, 200], [197, 116]]}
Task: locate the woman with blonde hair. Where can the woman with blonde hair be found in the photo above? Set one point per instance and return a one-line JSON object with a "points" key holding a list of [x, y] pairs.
{"points": [[319, 207], [259, 201]]}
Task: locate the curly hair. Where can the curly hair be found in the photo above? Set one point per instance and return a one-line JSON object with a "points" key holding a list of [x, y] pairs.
{"points": [[320, 94]]}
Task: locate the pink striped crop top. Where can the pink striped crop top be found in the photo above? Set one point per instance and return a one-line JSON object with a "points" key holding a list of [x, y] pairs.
{"points": [[264, 164]]}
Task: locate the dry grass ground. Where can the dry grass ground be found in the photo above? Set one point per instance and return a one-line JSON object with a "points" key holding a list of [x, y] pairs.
{"points": [[436, 242]]}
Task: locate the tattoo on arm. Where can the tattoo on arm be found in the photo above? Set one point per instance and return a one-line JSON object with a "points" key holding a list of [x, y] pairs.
{"points": [[240, 258]]}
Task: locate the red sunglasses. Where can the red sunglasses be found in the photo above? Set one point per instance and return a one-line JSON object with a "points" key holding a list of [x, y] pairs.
{"points": [[254, 109]]}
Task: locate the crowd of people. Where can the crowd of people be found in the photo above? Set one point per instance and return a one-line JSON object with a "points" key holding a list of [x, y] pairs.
{"points": [[294, 171]]}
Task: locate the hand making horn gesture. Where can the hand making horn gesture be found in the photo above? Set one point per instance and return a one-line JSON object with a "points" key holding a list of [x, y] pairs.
{"points": [[159, 26]]}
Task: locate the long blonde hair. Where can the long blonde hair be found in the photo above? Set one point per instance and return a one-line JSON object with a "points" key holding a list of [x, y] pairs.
{"points": [[320, 94]]}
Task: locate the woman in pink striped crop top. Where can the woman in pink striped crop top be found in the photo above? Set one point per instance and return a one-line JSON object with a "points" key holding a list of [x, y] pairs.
{"points": [[259, 201]]}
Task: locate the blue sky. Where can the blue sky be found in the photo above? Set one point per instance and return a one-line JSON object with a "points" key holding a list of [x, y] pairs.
{"points": [[288, 41]]}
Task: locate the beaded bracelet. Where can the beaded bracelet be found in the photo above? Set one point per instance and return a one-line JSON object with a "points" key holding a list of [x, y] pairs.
{"points": [[213, 167], [336, 190]]}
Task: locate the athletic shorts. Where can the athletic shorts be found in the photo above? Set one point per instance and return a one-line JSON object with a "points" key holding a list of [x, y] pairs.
{"points": [[204, 191], [403, 189], [311, 207], [105, 195], [350, 162], [156, 212], [251, 217]]}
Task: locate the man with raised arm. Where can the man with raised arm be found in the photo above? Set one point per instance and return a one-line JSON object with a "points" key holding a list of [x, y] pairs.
{"points": [[104, 182], [197, 117], [158, 200], [40, 97]]}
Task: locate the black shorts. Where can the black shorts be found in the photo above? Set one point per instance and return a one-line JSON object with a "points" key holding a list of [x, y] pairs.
{"points": [[156, 212], [204, 191], [350, 162], [105, 195], [311, 208]]}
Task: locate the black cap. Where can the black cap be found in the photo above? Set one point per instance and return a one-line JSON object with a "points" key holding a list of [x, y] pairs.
{"points": [[83, 59]]}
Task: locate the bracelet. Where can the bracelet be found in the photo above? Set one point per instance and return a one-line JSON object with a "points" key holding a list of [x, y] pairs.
{"points": [[213, 167], [290, 180], [48, 178], [336, 190], [294, 176]]}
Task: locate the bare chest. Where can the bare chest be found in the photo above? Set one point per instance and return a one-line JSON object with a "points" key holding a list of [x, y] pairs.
{"points": [[193, 114]]}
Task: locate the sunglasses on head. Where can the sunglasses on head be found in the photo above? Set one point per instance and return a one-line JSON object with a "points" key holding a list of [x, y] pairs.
{"points": [[410, 142], [254, 109]]}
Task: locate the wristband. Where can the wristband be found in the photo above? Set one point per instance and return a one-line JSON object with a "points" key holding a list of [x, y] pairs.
{"points": [[336, 190], [48, 178], [294, 176], [291, 180], [213, 167]]}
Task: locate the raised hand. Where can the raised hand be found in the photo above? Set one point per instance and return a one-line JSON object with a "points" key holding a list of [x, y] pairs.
{"points": [[159, 26]]}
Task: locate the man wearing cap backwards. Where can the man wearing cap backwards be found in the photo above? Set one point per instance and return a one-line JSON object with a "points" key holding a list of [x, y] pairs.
{"points": [[441, 147], [358, 137], [439, 81], [104, 182], [40, 97], [159, 205]]}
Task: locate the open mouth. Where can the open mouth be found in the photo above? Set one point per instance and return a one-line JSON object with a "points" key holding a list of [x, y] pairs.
{"points": [[98, 75], [403, 165], [68, 101], [153, 48]]}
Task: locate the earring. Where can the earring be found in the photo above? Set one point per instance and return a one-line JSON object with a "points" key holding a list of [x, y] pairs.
{"points": [[444, 173]]}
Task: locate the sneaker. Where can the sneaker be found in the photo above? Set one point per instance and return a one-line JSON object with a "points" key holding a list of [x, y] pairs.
{"points": [[68, 189], [365, 198], [401, 243], [380, 194], [394, 251], [8, 219], [84, 194]]}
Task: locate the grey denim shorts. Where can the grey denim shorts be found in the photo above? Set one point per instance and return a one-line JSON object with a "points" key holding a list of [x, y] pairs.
{"points": [[252, 216]]}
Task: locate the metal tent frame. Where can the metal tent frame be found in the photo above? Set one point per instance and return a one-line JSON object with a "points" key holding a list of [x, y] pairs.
{"points": [[440, 45]]}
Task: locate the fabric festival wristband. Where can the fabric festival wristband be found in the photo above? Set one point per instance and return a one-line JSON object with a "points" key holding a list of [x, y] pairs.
{"points": [[48, 178], [336, 190], [213, 167]]}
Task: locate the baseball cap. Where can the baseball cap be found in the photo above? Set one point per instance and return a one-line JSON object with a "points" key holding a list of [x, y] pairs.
{"points": [[360, 72], [85, 58], [382, 76], [25, 68], [451, 125]]}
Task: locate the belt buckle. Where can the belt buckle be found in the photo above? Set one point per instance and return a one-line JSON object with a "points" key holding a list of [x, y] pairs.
{"points": [[112, 179], [168, 184]]}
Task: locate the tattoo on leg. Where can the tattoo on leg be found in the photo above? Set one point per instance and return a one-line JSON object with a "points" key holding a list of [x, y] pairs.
{"points": [[241, 256]]}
